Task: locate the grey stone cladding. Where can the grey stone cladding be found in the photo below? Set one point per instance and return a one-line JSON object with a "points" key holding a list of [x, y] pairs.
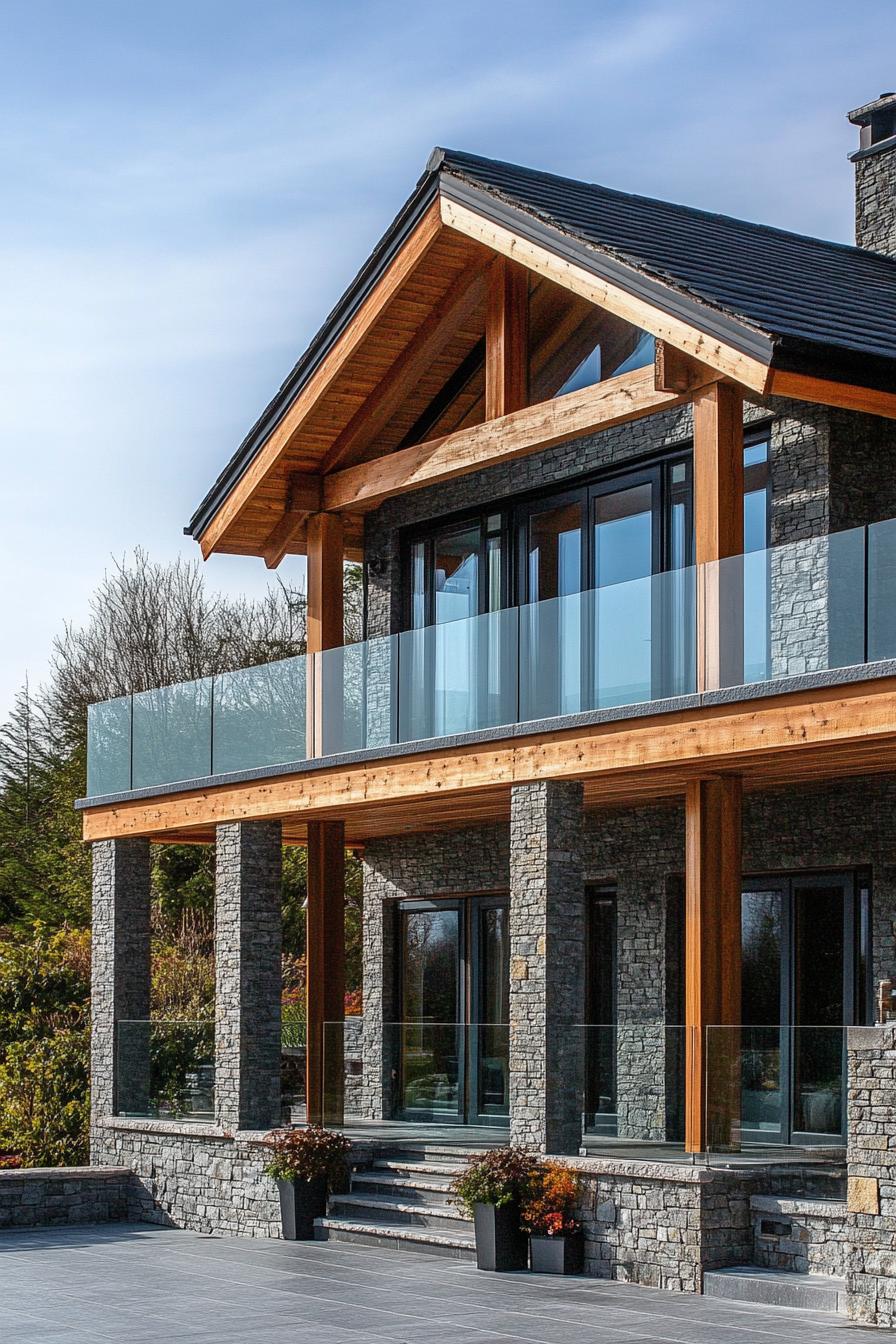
{"points": [[547, 966], [248, 941], [876, 201], [119, 977], [871, 1167], [63, 1196]]}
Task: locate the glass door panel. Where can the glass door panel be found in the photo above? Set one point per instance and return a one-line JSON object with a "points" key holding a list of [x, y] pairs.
{"points": [[763, 1081], [431, 1046], [551, 631], [490, 1000], [624, 550], [819, 1005], [600, 1035]]}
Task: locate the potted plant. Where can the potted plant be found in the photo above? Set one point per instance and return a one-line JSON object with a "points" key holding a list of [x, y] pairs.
{"points": [[306, 1164], [556, 1242], [491, 1189]]}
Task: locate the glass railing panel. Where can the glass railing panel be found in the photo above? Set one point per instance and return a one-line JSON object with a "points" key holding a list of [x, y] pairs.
{"points": [[109, 747], [624, 644], [292, 1063], [789, 610], [771, 1088], [633, 1087], [459, 677], [172, 734], [165, 1070], [882, 590], [357, 691], [428, 1073], [259, 716]]}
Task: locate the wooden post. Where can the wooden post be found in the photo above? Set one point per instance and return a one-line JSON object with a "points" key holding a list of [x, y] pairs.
{"points": [[325, 972], [719, 532], [325, 922], [506, 339], [712, 957]]}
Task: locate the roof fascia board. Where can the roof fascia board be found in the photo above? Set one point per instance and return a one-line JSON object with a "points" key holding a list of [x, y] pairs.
{"points": [[326, 338], [703, 332]]}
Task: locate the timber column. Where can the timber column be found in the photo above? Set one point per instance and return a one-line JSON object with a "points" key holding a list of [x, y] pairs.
{"points": [[547, 966], [248, 940], [325, 911], [119, 997]]}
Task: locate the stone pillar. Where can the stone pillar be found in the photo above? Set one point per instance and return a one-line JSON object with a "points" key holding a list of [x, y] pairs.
{"points": [[119, 1071], [871, 1171], [547, 966], [248, 938]]}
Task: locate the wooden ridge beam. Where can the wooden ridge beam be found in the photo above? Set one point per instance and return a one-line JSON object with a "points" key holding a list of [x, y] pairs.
{"points": [[626, 397], [746, 369], [441, 326], [415, 248]]}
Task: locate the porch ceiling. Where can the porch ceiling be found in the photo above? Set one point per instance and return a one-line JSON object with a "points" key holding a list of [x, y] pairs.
{"points": [[812, 734]]}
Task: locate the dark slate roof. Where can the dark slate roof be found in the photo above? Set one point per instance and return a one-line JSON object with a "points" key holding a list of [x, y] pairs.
{"points": [[799, 303]]}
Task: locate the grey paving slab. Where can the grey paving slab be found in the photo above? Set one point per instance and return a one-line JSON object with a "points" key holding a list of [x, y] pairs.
{"points": [[133, 1285]]}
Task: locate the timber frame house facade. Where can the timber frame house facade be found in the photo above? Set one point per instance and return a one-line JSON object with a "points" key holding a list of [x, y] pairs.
{"points": [[619, 746]]}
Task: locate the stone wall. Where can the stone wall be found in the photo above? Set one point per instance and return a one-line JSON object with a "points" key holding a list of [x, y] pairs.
{"points": [[871, 1185], [662, 1225], [63, 1196], [804, 1236]]}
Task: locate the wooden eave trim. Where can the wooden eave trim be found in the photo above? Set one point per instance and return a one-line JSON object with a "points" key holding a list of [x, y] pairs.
{"points": [[626, 397], [746, 369], [672, 747], [822, 391], [414, 249]]}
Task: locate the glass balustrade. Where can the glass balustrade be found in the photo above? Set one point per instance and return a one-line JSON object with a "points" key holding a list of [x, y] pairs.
{"points": [[165, 1070], [809, 606]]}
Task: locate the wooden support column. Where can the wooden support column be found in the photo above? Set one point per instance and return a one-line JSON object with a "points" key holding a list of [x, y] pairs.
{"points": [[506, 339], [325, 912], [325, 611], [325, 972], [719, 532], [712, 961]]}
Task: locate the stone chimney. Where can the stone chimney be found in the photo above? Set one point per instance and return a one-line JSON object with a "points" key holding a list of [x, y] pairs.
{"points": [[875, 162]]}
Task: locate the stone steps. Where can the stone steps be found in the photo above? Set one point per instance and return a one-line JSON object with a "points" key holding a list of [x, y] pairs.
{"points": [[776, 1288], [402, 1203]]}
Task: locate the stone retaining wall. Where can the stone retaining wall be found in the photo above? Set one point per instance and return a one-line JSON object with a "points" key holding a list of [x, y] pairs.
{"points": [[62, 1196], [871, 1167]]}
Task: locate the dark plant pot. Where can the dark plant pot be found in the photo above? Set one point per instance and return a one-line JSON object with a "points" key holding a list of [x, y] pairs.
{"points": [[300, 1203], [558, 1255], [500, 1241]]}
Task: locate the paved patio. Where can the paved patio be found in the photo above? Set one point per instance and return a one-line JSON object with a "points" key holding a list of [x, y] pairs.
{"points": [[138, 1283]]}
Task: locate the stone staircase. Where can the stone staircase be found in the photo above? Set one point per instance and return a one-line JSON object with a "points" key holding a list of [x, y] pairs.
{"points": [[401, 1203]]}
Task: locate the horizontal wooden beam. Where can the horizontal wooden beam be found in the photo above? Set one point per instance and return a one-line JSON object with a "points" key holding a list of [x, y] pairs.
{"points": [[827, 393], [627, 397], [415, 248], [751, 372], [674, 371], [847, 724]]}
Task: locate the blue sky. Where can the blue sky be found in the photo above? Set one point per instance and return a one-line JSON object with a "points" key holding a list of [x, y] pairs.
{"points": [[188, 186]]}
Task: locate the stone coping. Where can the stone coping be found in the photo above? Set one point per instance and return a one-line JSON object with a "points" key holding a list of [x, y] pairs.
{"points": [[65, 1173], [799, 1206], [681, 1173]]}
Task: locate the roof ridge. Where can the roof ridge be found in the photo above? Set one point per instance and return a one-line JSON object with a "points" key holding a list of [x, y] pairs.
{"points": [[444, 159]]}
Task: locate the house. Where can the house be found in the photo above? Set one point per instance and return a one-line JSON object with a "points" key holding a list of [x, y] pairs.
{"points": [[618, 749]]}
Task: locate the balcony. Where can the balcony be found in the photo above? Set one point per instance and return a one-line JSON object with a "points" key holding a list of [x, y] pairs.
{"points": [[811, 607]]}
